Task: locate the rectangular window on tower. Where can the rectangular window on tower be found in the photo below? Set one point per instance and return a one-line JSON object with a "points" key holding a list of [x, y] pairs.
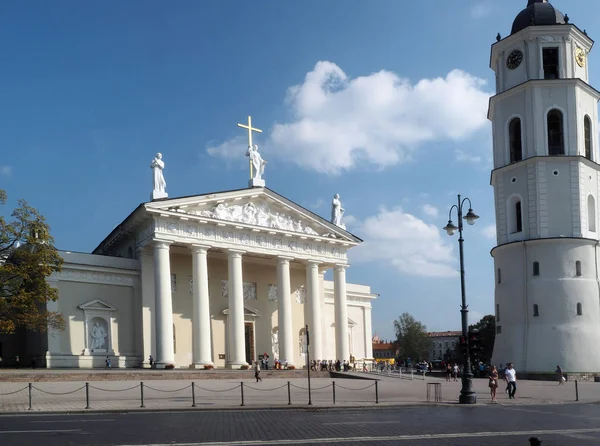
{"points": [[550, 61]]}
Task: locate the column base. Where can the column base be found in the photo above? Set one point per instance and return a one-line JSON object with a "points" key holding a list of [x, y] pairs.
{"points": [[236, 365], [201, 365], [164, 365]]}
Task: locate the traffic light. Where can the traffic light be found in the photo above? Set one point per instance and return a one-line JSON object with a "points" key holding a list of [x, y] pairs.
{"points": [[475, 345], [462, 342]]}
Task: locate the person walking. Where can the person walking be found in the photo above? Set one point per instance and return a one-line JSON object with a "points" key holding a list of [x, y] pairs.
{"points": [[510, 374], [559, 375], [455, 372], [448, 372], [493, 382], [257, 371]]}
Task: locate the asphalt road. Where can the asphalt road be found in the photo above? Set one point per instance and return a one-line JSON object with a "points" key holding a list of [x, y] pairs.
{"points": [[560, 424]]}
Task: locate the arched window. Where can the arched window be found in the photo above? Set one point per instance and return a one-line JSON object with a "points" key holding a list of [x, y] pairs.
{"points": [[536, 310], [514, 134], [515, 216], [578, 268], [587, 136], [536, 268], [556, 137], [579, 309], [591, 208], [519, 216]]}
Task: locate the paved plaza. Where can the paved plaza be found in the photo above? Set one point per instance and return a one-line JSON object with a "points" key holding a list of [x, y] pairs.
{"points": [[481, 425], [272, 392]]}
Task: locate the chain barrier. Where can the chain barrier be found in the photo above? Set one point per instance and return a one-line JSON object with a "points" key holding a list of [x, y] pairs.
{"points": [[16, 391], [167, 391], [312, 388], [114, 390], [30, 387], [362, 388], [217, 391], [57, 393], [246, 386]]}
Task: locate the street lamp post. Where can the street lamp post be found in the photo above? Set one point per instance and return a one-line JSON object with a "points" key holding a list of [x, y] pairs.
{"points": [[467, 394]]}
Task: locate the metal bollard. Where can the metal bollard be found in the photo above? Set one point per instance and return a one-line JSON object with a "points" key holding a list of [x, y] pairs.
{"points": [[289, 395], [376, 392], [333, 384], [30, 385], [242, 391], [87, 395], [193, 395], [576, 391], [142, 393]]}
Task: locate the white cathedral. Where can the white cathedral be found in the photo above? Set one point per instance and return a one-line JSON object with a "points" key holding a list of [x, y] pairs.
{"points": [[546, 183], [213, 280]]}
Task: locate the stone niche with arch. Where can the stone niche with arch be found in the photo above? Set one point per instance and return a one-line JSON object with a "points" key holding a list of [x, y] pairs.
{"points": [[98, 321]]}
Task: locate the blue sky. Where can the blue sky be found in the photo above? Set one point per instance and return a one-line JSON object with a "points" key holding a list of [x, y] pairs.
{"points": [[382, 102]]}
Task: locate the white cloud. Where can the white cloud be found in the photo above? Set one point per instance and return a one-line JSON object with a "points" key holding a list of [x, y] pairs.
{"points": [[5, 171], [232, 149], [481, 9], [489, 232], [340, 123], [405, 242], [430, 211], [463, 156]]}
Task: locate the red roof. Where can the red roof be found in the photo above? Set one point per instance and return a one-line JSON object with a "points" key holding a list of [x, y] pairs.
{"points": [[383, 346]]}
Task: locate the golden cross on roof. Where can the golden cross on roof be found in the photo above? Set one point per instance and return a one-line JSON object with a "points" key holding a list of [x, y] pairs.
{"points": [[250, 130]]}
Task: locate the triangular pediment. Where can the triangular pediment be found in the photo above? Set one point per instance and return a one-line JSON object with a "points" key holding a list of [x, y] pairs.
{"points": [[96, 305], [248, 311], [258, 207]]}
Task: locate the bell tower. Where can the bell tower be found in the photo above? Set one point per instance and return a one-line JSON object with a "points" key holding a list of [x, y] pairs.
{"points": [[546, 184]]}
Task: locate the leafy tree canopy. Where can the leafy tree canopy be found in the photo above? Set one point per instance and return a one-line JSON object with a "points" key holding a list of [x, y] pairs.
{"points": [[487, 332], [412, 338], [27, 258]]}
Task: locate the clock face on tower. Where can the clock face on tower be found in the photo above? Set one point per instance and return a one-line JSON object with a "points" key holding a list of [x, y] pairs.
{"points": [[514, 59], [580, 56]]}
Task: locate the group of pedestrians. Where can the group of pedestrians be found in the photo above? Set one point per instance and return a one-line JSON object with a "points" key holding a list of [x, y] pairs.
{"points": [[510, 377]]}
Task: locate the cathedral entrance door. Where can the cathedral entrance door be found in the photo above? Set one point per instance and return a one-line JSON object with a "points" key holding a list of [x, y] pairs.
{"points": [[249, 341]]}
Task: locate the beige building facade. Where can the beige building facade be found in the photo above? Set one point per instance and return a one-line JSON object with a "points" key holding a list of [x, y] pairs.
{"points": [[212, 280]]}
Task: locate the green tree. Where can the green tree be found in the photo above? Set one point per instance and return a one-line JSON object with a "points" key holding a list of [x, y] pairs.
{"points": [[487, 333], [412, 338], [27, 258]]}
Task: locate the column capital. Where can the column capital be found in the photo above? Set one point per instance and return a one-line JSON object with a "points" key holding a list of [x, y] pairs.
{"points": [[313, 263], [284, 259], [161, 244], [341, 267], [235, 253], [195, 248]]}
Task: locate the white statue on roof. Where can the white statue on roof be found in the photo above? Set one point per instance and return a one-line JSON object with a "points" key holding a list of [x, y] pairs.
{"points": [[337, 212], [160, 184]]}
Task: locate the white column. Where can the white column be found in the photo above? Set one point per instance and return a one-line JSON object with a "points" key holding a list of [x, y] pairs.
{"points": [[54, 335], [237, 342], [163, 305], [341, 313], [284, 313], [314, 310], [368, 333], [201, 340]]}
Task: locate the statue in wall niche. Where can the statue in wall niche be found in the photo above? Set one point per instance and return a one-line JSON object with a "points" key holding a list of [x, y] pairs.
{"points": [[257, 162], [159, 183], [98, 337], [337, 211], [275, 342]]}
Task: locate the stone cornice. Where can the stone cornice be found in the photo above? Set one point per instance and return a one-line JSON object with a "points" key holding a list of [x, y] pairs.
{"points": [[98, 275], [234, 236]]}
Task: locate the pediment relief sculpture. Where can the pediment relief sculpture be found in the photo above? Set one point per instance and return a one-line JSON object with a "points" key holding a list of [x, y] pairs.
{"points": [[257, 214]]}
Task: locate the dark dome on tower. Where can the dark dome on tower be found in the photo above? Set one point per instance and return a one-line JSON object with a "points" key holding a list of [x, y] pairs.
{"points": [[537, 13]]}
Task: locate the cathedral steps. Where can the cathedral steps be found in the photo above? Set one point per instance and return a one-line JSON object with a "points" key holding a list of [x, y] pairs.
{"points": [[44, 375]]}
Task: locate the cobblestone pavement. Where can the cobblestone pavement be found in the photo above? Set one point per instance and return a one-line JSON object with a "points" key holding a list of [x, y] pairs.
{"points": [[272, 392], [482, 425]]}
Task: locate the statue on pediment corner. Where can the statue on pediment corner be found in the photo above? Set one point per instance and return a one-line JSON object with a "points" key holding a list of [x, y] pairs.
{"points": [[337, 211], [258, 163]]}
